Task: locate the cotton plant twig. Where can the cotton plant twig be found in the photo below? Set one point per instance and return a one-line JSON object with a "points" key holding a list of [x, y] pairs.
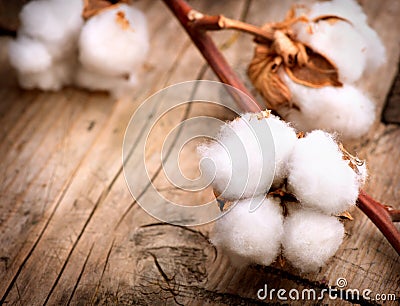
{"points": [[196, 24]]}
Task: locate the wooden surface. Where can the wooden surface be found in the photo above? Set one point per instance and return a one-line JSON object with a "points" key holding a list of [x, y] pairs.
{"points": [[391, 113], [70, 232]]}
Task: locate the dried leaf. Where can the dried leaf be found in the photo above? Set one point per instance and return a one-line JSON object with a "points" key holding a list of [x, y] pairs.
{"points": [[263, 73], [122, 21], [354, 161], [281, 260], [263, 114], [332, 19], [317, 72], [345, 216]]}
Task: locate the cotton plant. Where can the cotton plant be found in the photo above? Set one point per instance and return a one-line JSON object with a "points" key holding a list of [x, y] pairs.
{"points": [[309, 70], [81, 43], [313, 182]]}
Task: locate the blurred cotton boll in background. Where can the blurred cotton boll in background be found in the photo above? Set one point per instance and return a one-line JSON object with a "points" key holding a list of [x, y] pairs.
{"points": [[310, 72], [114, 42], [56, 47]]}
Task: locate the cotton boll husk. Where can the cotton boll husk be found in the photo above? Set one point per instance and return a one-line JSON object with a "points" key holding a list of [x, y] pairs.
{"points": [[350, 9], [53, 78], [114, 47], [310, 239], [345, 110], [319, 177], [28, 55], [340, 42], [118, 86], [250, 237], [56, 23], [240, 162]]}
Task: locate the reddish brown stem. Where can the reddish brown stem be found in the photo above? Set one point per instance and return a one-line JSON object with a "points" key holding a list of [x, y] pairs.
{"points": [[220, 22], [210, 52], [382, 216]]}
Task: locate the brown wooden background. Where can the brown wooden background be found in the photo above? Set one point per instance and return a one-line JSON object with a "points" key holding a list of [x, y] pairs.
{"points": [[70, 232]]}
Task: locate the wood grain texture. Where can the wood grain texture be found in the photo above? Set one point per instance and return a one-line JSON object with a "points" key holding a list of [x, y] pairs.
{"points": [[70, 231], [391, 113]]}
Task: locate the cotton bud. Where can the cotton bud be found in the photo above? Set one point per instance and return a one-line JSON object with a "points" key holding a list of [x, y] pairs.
{"points": [[319, 176], [250, 237], [310, 239], [345, 110]]}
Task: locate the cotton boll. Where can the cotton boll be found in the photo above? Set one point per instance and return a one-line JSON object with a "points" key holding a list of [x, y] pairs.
{"points": [[284, 140], [319, 177], [52, 78], [114, 42], [54, 22], [350, 9], [240, 162], [250, 237], [345, 110], [339, 42], [310, 239], [28, 55], [118, 86]]}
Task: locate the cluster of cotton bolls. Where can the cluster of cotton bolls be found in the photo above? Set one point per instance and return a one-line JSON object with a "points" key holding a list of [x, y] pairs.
{"points": [[56, 47], [313, 170], [354, 48]]}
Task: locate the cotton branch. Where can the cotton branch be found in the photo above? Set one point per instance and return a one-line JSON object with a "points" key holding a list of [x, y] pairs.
{"points": [[196, 24]]}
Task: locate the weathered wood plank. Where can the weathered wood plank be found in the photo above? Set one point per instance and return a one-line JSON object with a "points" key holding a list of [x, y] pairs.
{"points": [[391, 112]]}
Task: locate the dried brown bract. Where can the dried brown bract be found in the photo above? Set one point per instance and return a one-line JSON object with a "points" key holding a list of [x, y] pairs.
{"points": [[300, 62], [94, 7]]}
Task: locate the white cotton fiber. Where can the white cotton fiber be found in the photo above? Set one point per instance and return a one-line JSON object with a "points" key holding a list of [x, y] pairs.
{"points": [[44, 52], [28, 55], [284, 138], [340, 43], [250, 237], [374, 51], [56, 23], [112, 45], [319, 177], [345, 110], [54, 78], [51, 19], [114, 42], [241, 160], [310, 239], [117, 86]]}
